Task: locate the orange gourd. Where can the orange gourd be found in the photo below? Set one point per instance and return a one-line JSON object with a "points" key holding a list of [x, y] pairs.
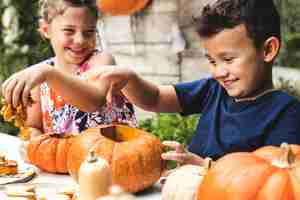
{"points": [[269, 173], [133, 154], [121, 7], [49, 152]]}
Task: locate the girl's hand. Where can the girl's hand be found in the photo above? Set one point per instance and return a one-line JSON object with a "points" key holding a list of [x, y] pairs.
{"points": [[17, 87], [181, 155]]}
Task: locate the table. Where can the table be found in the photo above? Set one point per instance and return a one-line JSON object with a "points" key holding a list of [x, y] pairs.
{"points": [[12, 146]]}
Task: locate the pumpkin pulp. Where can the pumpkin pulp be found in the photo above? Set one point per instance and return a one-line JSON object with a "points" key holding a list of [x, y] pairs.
{"points": [[118, 135]]}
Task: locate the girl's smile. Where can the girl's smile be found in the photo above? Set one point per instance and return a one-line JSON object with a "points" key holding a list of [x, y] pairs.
{"points": [[72, 35]]}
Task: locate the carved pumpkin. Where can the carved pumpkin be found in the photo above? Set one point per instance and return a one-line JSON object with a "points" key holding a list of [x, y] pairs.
{"points": [[270, 173], [49, 152], [133, 154], [121, 7], [183, 182]]}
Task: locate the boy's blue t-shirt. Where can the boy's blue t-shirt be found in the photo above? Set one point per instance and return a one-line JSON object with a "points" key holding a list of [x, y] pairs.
{"points": [[227, 126]]}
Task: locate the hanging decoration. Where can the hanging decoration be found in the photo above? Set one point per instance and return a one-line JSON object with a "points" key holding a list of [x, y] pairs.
{"points": [[121, 7]]}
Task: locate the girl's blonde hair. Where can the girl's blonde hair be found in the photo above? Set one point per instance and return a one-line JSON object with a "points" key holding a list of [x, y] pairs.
{"points": [[51, 8]]}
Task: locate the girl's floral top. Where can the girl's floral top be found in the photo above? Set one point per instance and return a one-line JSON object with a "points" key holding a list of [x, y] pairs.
{"points": [[59, 117]]}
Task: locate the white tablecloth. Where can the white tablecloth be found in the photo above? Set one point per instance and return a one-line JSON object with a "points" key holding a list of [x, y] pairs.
{"points": [[11, 146]]}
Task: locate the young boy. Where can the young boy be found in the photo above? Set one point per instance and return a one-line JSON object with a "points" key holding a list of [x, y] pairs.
{"points": [[240, 109]]}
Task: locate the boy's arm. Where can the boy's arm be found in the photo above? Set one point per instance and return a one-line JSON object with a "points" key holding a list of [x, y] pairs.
{"points": [[87, 96], [142, 93], [151, 97], [82, 94]]}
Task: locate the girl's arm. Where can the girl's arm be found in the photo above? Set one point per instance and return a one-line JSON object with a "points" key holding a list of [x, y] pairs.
{"points": [[85, 95], [34, 114]]}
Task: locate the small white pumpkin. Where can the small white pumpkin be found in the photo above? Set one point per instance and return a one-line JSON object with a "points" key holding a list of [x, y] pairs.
{"points": [[183, 182], [94, 177], [117, 193]]}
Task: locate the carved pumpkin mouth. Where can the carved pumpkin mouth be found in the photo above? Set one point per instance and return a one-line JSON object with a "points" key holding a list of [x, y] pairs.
{"points": [[119, 135]]}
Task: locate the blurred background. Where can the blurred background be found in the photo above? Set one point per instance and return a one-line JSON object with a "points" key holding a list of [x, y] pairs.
{"points": [[158, 41]]}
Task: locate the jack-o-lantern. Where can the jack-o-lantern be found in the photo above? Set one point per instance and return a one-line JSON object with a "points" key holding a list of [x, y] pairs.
{"points": [[134, 155]]}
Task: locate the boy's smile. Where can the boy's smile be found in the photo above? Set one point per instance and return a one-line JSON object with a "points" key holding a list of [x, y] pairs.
{"points": [[236, 64]]}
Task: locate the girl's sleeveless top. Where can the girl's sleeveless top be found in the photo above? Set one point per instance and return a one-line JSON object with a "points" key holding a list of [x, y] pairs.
{"points": [[59, 117]]}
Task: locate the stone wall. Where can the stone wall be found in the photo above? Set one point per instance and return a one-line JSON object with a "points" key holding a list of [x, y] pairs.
{"points": [[159, 41]]}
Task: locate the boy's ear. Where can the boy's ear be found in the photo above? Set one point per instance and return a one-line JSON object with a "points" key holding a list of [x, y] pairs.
{"points": [[44, 29], [271, 48]]}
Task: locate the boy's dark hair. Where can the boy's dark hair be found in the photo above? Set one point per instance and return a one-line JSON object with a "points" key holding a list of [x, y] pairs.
{"points": [[260, 18]]}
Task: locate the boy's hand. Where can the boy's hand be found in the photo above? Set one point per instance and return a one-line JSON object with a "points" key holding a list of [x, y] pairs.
{"points": [[181, 155], [115, 77], [17, 87]]}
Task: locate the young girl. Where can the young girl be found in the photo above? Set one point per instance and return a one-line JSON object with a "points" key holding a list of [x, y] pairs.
{"points": [[64, 100]]}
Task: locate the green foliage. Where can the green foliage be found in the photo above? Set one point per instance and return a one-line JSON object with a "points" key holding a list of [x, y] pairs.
{"points": [[290, 26], [8, 128], [12, 57], [171, 127], [290, 87]]}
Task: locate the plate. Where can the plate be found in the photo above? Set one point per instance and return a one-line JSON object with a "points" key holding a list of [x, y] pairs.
{"points": [[48, 190], [25, 173]]}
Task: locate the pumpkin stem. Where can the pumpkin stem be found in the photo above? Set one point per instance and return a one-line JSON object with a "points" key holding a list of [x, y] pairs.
{"points": [[91, 156], [287, 157], [208, 162]]}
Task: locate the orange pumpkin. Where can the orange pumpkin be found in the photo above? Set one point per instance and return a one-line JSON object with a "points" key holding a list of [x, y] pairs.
{"points": [[269, 173], [49, 152], [133, 154], [121, 7]]}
